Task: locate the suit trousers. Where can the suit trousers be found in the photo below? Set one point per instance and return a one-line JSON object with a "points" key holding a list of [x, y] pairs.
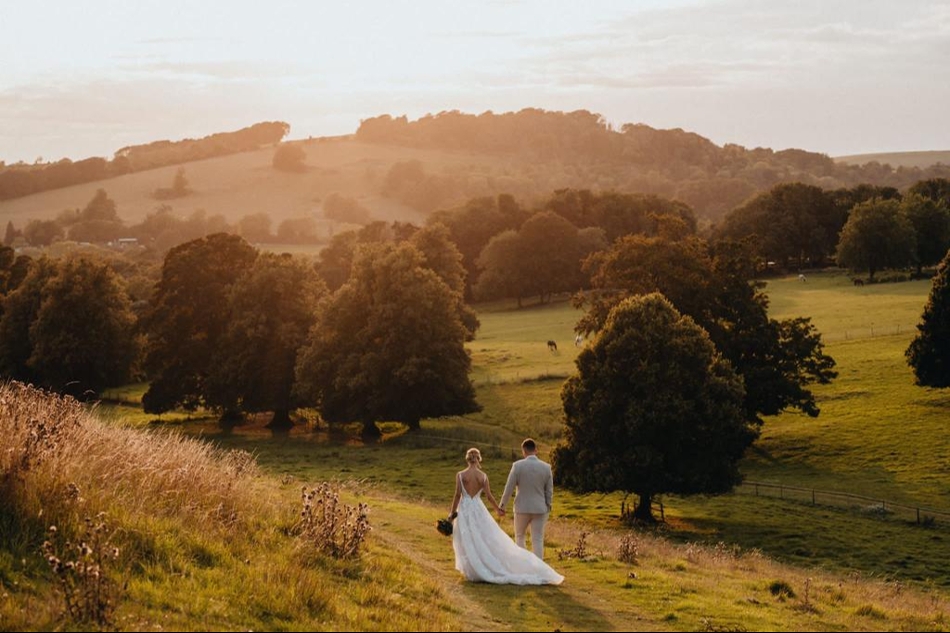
{"points": [[536, 521]]}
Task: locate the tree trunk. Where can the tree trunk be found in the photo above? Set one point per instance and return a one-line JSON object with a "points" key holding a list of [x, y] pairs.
{"points": [[231, 417], [371, 432], [871, 272], [281, 420], [644, 511]]}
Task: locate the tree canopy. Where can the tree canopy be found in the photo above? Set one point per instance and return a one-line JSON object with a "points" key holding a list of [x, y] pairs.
{"points": [[929, 352], [876, 236], [69, 326], [272, 308], [776, 360], [653, 408], [188, 316], [388, 345]]}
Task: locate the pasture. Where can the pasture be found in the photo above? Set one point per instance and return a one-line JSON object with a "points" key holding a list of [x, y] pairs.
{"points": [[878, 435], [717, 561]]}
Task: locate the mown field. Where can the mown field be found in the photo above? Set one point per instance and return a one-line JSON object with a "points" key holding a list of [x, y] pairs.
{"points": [[713, 562]]}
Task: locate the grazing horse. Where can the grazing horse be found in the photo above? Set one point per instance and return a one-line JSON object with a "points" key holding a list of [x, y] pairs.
{"points": [[858, 282], [552, 346]]}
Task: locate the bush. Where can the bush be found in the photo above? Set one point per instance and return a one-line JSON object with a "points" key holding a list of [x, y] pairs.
{"points": [[329, 526], [289, 158], [88, 589]]}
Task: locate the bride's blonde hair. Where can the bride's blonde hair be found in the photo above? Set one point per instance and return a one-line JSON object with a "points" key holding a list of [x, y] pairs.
{"points": [[473, 456]]}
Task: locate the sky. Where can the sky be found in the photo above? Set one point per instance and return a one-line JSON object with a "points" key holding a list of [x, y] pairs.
{"points": [[80, 79]]}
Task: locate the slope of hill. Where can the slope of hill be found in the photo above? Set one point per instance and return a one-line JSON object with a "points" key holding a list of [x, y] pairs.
{"points": [[241, 184], [898, 159], [402, 170]]}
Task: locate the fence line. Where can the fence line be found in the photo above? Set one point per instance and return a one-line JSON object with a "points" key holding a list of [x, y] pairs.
{"points": [[829, 498], [872, 505]]}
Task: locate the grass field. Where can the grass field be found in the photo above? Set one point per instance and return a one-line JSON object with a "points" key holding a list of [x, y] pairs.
{"points": [[878, 435], [716, 561]]}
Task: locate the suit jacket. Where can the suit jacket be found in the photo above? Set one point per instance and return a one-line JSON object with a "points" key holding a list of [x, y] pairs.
{"points": [[535, 485]]}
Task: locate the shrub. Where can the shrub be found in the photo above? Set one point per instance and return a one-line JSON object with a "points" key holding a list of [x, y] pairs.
{"points": [[289, 158], [330, 526], [84, 576]]}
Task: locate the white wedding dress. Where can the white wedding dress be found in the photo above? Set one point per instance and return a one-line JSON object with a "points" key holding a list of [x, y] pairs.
{"points": [[485, 553]]}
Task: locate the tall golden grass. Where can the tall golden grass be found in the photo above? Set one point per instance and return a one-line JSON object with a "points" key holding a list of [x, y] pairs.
{"points": [[61, 464]]}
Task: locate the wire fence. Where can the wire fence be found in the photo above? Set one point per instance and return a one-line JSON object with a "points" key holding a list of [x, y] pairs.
{"points": [[870, 505]]}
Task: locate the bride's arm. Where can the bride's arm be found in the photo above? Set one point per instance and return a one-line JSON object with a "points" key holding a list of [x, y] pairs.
{"points": [[456, 498], [491, 497]]}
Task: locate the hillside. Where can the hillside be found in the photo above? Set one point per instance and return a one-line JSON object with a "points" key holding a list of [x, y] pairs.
{"points": [[402, 170], [898, 159], [240, 184]]}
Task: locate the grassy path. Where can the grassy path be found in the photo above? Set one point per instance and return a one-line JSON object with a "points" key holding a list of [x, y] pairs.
{"points": [[580, 604]]}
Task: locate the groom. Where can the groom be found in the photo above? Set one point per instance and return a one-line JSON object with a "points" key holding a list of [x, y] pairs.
{"points": [[535, 485]]}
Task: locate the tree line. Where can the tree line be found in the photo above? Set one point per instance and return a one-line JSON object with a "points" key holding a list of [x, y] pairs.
{"points": [[99, 222], [671, 163], [20, 179], [863, 228]]}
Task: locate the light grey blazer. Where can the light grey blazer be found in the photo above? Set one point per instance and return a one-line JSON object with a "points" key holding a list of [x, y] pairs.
{"points": [[535, 485]]}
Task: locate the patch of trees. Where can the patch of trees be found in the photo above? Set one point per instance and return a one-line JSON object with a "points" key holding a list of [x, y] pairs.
{"points": [[595, 220], [290, 157], [672, 163], [434, 242], [22, 180], [67, 325], [864, 228], [345, 209], [179, 188], [541, 258], [235, 331], [389, 344]]}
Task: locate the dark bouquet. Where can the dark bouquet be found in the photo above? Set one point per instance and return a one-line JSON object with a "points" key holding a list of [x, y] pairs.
{"points": [[444, 526]]}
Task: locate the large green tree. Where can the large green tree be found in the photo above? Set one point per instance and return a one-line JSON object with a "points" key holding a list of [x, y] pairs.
{"points": [[542, 258], [20, 308], [272, 308], [777, 360], [653, 408], [388, 345], [82, 337], [930, 220], [69, 326], [876, 236], [929, 352], [790, 223], [188, 316]]}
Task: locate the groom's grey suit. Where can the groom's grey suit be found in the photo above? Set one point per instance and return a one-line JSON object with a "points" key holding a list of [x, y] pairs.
{"points": [[532, 478]]}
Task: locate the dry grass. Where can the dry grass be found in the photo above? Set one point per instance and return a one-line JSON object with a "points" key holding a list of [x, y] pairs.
{"points": [[203, 541], [63, 464]]}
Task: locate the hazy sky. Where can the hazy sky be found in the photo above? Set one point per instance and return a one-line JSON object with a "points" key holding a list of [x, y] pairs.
{"points": [[79, 79]]}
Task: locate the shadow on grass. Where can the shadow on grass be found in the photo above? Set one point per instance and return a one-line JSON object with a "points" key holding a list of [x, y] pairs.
{"points": [[543, 608]]}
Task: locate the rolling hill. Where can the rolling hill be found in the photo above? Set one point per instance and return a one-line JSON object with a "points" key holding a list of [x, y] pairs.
{"points": [[403, 170], [898, 159]]}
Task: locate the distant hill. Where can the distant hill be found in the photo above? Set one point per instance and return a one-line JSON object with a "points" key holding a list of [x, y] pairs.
{"points": [[403, 170], [898, 159]]}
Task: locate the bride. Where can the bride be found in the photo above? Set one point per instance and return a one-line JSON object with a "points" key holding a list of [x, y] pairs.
{"points": [[483, 551]]}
